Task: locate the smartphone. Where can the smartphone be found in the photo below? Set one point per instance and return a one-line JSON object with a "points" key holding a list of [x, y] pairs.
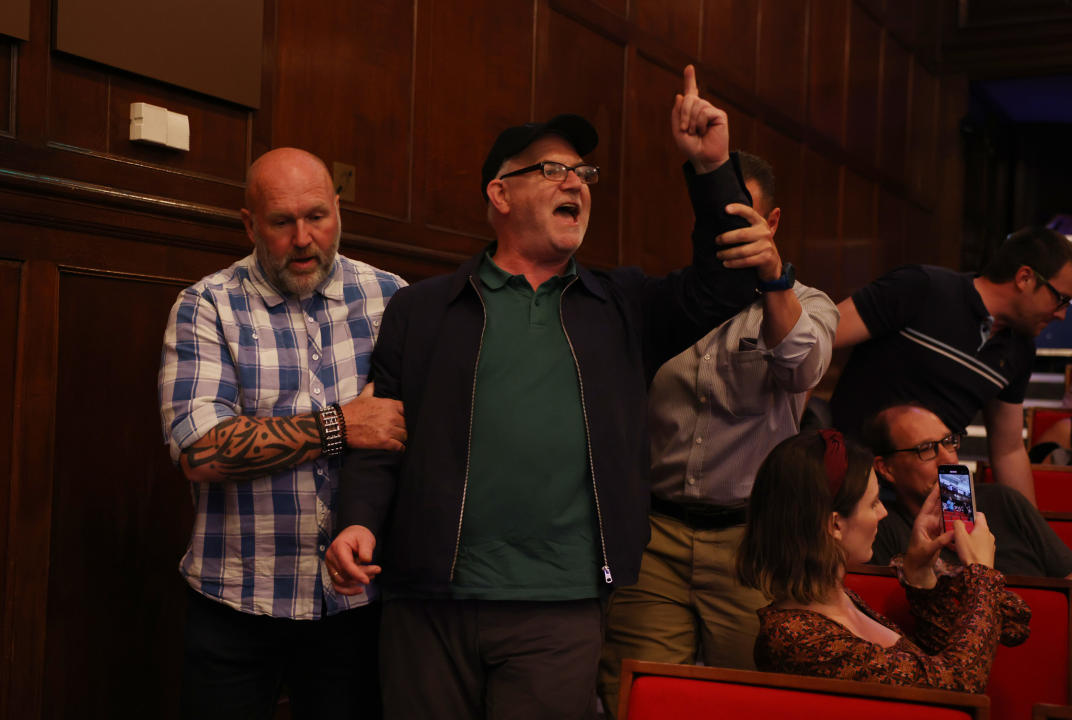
{"points": [[957, 494]]}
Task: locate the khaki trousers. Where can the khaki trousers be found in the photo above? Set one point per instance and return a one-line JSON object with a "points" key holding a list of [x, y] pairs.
{"points": [[686, 604]]}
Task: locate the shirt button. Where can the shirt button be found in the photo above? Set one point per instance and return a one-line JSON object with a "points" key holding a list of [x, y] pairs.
{"points": [[315, 356], [707, 356], [316, 391], [320, 471], [692, 480], [309, 318], [703, 399], [254, 336], [699, 441], [322, 548], [376, 323]]}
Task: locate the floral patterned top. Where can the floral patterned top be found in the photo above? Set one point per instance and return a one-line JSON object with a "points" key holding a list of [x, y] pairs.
{"points": [[958, 625]]}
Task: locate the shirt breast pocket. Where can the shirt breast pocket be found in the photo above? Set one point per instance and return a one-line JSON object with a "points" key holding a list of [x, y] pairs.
{"points": [[744, 383]]}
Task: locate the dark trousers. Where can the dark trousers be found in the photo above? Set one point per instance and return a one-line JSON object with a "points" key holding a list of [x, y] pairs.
{"points": [[463, 659], [236, 664]]}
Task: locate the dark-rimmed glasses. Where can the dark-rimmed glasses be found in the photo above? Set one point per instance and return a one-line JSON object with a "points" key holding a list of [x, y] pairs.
{"points": [[557, 172], [929, 450], [1061, 298]]}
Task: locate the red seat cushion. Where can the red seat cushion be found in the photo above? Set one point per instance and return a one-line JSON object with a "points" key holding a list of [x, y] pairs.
{"points": [[655, 698], [1044, 418]]}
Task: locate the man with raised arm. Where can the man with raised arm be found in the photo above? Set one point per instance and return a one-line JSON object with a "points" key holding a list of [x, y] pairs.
{"points": [[716, 410], [262, 388], [522, 496], [956, 343]]}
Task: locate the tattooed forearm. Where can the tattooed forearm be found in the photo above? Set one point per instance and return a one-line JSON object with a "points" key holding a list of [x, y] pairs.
{"points": [[246, 447]]}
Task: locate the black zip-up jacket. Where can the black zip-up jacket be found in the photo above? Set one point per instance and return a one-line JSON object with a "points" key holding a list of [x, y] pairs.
{"points": [[621, 326]]}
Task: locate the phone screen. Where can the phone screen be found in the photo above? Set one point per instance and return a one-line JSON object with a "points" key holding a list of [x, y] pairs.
{"points": [[957, 494]]}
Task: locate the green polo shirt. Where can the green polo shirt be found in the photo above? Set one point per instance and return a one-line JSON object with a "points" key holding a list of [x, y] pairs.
{"points": [[529, 527]]}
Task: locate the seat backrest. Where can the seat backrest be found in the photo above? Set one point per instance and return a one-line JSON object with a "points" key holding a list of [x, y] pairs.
{"points": [[1053, 485], [1039, 420], [1036, 671], [1060, 523], [656, 691]]}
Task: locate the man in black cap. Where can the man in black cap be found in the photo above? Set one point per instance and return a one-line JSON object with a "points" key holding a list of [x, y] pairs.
{"points": [[521, 498]]}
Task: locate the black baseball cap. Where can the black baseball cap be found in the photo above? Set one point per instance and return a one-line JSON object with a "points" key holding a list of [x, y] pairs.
{"points": [[577, 131]]}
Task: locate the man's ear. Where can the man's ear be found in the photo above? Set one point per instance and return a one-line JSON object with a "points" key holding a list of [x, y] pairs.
{"points": [[1023, 276], [772, 220], [882, 469], [247, 220], [498, 196]]}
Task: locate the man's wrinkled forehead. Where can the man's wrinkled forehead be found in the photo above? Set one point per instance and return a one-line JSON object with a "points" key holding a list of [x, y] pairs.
{"points": [[910, 426]]}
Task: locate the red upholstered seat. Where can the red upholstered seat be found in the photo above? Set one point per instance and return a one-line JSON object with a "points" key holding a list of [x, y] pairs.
{"points": [[1061, 523], [1053, 485], [1039, 420], [657, 691], [1037, 671]]}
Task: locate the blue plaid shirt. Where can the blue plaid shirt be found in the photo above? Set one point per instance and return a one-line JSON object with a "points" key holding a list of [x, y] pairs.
{"points": [[235, 346]]}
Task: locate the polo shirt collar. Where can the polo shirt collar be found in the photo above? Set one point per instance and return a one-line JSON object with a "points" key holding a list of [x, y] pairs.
{"points": [[494, 277], [331, 287]]}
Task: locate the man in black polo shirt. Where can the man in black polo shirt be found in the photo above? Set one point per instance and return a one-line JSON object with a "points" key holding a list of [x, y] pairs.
{"points": [[956, 343]]}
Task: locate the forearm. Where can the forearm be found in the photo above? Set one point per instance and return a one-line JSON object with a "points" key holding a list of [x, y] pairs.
{"points": [[781, 310], [243, 448], [1013, 468]]}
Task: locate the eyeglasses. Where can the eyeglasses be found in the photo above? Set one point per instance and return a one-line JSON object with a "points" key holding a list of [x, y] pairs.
{"points": [[557, 172], [1062, 300], [929, 450]]}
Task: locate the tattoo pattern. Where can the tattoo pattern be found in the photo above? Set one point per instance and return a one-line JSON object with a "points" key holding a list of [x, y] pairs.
{"points": [[247, 447]]}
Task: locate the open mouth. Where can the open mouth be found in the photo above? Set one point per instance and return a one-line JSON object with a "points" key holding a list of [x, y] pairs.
{"points": [[304, 263], [568, 210]]}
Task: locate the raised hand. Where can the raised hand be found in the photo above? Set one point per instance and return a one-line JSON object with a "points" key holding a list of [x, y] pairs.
{"points": [[926, 541], [700, 129], [753, 246]]}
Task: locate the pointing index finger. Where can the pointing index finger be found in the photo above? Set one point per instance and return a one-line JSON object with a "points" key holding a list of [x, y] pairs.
{"points": [[690, 81]]}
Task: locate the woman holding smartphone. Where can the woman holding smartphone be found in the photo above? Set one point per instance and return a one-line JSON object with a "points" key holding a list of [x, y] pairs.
{"points": [[815, 509]]}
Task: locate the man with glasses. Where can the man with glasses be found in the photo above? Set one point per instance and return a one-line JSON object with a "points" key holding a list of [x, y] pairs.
{"points": [[522, 496], [909, 443], [956, 343]]}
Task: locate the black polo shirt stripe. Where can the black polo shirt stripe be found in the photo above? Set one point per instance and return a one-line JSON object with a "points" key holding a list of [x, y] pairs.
{"points": [[953, 354]]}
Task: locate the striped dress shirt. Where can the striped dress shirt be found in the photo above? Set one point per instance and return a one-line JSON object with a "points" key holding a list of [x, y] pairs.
{"points": [[235, 346], [719, 407]]}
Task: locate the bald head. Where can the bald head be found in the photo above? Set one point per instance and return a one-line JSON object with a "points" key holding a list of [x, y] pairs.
{"points": [[292, 219], [285, 166]]}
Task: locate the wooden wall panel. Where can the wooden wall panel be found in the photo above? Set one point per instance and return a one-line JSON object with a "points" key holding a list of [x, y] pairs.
{"points": [[785, 157], [828, 45], [858, 233], [781, 61], [89, 108], [122, 512], [656, 234], [7, 97], [893, 120], [471, 91], [581, 71], [675, 21], [362, 82], [861, 115], [892, 226], [10, 275], [78, 104], [729, 41], [923, 140], [821, 257]]}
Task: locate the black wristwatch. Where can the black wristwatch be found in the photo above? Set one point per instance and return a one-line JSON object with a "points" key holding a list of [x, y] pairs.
{"points": [[785, 282]]}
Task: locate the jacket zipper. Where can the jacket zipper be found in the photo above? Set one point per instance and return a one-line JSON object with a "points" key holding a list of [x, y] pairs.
{"points": [[607, 577], [469, 442]]}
